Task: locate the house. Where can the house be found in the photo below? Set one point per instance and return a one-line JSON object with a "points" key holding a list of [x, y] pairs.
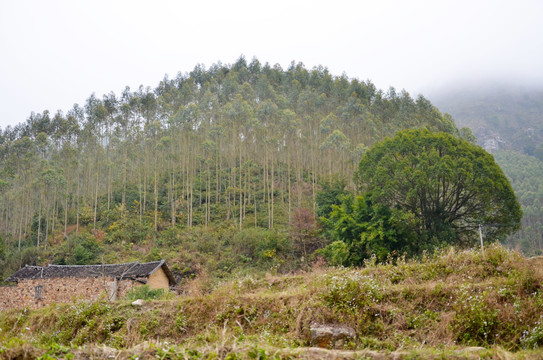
{"points": [[37, 286]]}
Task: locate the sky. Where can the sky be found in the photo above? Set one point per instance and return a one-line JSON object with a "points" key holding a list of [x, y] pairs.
{"points": [[56, 53]]}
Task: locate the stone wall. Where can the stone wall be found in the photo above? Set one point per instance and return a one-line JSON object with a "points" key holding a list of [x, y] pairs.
{"points": [[37, 293]]}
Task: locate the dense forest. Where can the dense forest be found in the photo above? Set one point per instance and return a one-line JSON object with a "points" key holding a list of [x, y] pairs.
{"points": [[243, 149]]}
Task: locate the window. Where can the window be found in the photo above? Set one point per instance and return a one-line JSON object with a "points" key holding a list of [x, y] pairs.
{"points": [[38, 292]]}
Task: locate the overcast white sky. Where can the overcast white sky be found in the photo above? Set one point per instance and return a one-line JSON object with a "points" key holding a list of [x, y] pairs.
{"points": [[56, 53]]}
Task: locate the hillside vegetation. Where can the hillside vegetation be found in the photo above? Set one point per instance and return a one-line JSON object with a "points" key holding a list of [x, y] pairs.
{"points": [[452, 304], [215, 169], [526, 175]]}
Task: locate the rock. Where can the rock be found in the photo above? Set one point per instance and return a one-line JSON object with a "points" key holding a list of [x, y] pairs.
{"points": [[331, 336], [138, 303], [473, 349], [96, 352]]}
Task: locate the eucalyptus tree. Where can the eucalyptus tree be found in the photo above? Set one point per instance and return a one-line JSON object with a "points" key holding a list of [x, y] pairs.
{"points": [[289, 125], [268, 114], [18, 175], [239, 115]]}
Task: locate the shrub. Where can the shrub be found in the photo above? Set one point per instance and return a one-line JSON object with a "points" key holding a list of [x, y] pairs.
{"points": [[80, 249], [87, 322], [144, 292], [532, 338], [475, 320]]}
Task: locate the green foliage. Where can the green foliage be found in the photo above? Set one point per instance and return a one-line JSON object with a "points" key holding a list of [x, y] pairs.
{"points": [[532, 338], [144, 292], [85, 322], [369, 229], [2, 249], [466, 134], [330, 194], [57, 351], [351, 292], [260, 246], [449, 185], [129, 228], [336, 253], [81, 249], [476, 320]]}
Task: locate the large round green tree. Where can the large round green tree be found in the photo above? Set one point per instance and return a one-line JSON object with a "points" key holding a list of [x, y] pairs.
{"points": [[448, 184]]}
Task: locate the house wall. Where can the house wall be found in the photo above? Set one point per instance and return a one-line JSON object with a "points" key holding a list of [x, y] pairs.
{"points": [[158, 280], [61, 290]]}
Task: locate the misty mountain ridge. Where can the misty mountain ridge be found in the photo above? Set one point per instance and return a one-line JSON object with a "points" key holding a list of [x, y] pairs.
{"points": [[507, 121], [501, 115]]}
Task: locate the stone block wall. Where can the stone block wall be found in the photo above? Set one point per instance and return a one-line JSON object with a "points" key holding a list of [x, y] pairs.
{"points": [[37, 293]]}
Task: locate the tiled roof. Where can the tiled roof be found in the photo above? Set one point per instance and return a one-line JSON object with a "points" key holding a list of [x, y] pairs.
{"points": [[134, 270]]}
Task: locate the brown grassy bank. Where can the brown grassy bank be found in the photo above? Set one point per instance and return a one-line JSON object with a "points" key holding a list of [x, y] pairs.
{"points": [[454, 304]]}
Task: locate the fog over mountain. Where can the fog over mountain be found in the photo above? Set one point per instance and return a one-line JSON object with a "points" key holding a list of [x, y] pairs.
{"points": [[507, 116]]}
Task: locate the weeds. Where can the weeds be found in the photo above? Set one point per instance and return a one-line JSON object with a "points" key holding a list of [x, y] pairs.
{"points": [[442, 301], [476, 320], [351, 291], [144, 292]]}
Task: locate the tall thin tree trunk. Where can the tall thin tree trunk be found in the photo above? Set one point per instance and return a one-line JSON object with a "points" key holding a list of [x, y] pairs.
{"points": [[240, 189], [288, 190], [77, 208], [21, 224], [65, 215], [95, 203], [39, 226], [272, 191], [156, 201]]}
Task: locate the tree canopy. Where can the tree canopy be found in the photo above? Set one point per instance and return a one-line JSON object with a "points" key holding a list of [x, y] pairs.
{"points": [[449, 185]]}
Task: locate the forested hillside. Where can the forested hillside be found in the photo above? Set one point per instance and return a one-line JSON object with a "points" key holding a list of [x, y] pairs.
{"points": [[234, 147], [526, 175]]}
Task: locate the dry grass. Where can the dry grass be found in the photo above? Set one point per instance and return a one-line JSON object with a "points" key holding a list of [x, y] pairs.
{"points": [[448, 300]]}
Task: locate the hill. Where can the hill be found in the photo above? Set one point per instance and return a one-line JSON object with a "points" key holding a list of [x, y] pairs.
{"points": [[221, 161], [452, 304]]}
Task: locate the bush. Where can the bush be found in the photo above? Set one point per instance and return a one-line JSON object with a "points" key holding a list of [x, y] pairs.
{"points": [[260, 246], [475, 321], [80, 249], [144, 292], [86, 322]]}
